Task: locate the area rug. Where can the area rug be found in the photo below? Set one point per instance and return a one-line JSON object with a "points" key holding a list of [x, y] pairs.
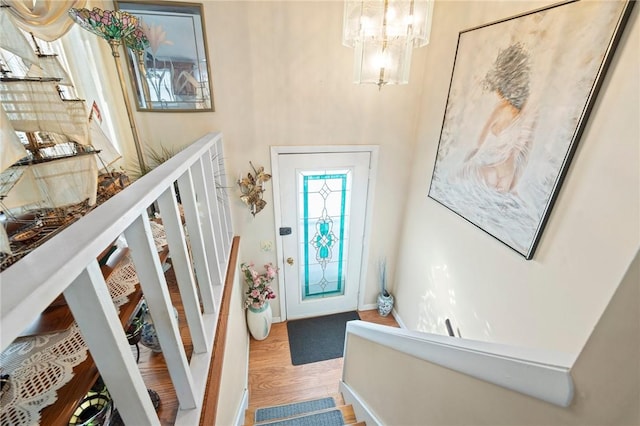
{"points": [[326, 418], [318, 339], [289, 410]]}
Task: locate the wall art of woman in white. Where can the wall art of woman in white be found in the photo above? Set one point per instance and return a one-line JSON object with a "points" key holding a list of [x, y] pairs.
{"points": [[503, 146]]}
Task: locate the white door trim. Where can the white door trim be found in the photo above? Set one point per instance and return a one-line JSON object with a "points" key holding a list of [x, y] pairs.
{"points": [[373, 168]]}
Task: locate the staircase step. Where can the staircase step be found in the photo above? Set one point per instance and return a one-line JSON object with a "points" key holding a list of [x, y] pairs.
{"points": [[293, 409], [306, 418], [348, 414], [329, 417]]}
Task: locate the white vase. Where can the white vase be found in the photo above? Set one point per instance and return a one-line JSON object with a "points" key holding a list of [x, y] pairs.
{"points": [[149, 336], [259, 321], [385, 304]]}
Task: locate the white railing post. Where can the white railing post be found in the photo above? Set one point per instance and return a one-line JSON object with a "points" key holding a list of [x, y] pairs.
{"points": [[93, 310], [201, 187], [194, 227], [154, 286], [216, 212], [226, 209], [182, 266]]}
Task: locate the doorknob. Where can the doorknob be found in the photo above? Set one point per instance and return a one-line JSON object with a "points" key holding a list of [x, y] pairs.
{"points": [[290, 260]]}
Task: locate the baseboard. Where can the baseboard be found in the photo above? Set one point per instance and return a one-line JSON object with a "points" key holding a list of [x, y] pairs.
{"points": [[398, 319], [362, 412], [276, 319], [239, 420], [368, 307]]}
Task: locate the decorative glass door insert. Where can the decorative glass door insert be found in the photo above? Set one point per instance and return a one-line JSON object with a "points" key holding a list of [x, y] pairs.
{"points": [[324, 204]]}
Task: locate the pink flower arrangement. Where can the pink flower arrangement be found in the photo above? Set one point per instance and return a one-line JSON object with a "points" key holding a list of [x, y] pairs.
{"points": [[259, 291]]}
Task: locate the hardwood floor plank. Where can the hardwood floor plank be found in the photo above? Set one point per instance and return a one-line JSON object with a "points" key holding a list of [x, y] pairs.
{"points": [[274, 380]]}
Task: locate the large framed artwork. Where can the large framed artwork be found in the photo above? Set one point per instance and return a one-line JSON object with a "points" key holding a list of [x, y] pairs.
{"points": [[520, 95]]}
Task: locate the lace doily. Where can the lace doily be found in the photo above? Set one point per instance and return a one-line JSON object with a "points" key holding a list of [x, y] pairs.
{"points": [[38, 366], [159, 236], [122, 281]]}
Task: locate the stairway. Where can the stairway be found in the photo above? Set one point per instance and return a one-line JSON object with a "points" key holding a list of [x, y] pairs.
{"points": [[328, 411]]}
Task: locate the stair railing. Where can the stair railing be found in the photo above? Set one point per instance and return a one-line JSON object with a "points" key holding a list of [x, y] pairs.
{"points": [[540, 374], [67, 264]]}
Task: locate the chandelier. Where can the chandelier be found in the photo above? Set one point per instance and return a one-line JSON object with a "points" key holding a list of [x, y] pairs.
{"points": [[383, 34]]}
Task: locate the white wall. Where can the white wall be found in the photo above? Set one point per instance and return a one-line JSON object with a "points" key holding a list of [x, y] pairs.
{"points": [[416, 392], [448, 268], [282, 77]]}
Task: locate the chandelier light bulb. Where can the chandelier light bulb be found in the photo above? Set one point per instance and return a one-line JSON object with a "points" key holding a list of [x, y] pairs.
{"points": [[383, 33], [381, 60]]}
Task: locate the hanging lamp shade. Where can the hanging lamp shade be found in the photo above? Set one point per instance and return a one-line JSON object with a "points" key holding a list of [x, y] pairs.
{"points": [[383, 34]]}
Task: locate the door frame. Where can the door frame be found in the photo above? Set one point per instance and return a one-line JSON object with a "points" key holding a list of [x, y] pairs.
{"points": [[320, 149]]}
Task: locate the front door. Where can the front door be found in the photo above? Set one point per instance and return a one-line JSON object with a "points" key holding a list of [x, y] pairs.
{"points": [[323, 209]]}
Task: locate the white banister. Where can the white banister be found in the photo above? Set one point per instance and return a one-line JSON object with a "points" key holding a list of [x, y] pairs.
{"points": [[226, 207], [156, 294], [90, 303], [194, 227], [541, 374], [182, 268], [201, 187], [67, 264], [217, 215]]}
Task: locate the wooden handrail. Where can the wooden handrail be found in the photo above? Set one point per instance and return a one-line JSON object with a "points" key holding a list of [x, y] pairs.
{"points": [[211, 396]]}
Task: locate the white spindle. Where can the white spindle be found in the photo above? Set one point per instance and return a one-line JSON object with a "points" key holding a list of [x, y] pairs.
{"points": [[216, 212], [154, 286], [93, 310], [226, 212], [200, 185], [194, 227], [182, 267]]}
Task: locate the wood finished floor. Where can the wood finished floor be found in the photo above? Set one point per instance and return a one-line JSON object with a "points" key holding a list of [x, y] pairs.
{"points": [[273, 380]]}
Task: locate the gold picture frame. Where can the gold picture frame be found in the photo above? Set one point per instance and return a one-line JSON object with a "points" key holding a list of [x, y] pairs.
{"points": [[172, 74]]}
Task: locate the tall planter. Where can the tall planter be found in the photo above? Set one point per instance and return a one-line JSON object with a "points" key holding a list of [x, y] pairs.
{"points": [[259, 320]]}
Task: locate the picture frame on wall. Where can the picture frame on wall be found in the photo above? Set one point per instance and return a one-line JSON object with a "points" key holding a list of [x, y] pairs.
{"points": [[171, 73], [520, 95]]}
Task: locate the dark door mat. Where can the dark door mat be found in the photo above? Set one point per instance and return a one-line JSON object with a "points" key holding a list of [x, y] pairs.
{"points": [[318, 339]]}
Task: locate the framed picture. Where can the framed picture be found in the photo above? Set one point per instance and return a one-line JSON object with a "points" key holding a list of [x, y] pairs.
{"points": [[172, 72], [520, 95]]}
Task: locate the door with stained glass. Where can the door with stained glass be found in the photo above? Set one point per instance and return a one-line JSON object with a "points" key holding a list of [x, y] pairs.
{"points": [[323, 199]]}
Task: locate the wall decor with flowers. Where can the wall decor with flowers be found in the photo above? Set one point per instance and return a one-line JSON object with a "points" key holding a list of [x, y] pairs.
{"points": [[251, 189]]}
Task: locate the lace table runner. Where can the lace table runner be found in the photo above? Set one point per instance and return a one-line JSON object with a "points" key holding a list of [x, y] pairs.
{"points": [[38, 366]]}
